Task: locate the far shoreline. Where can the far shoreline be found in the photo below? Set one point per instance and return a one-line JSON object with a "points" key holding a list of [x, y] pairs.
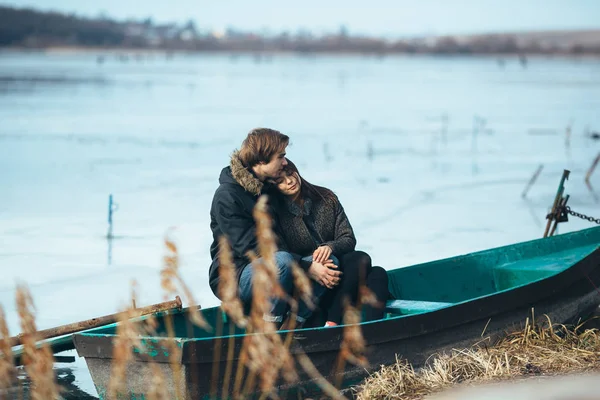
{"points": [[138, 51]]}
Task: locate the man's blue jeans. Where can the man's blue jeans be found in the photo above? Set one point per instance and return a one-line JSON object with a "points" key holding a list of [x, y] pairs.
{"points": [[279, 307]]}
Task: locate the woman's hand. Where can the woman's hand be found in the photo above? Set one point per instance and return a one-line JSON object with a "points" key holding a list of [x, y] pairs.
{"points": [[326, 274], [322, 254]]}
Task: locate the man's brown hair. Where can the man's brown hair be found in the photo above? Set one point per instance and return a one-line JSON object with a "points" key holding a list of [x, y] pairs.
{"points": [[261, 145]]}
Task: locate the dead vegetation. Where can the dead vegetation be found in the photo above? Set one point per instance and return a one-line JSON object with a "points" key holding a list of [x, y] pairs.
{"points": [[538, 349]]}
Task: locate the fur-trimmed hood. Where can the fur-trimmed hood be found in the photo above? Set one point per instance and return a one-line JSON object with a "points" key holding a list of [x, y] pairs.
{"points": [[231, 214], [243, 176]]}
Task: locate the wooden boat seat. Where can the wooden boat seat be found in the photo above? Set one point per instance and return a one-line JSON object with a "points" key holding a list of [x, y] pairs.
{"points": [[529, 270], [403, 307], [519, 273]]}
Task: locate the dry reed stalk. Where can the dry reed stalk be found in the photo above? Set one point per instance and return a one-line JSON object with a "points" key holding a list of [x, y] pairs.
{"points": [[282, 362], [353, 345], [266, 396], [262, 292], [216, 358], [267, 244], [134, 290], [228, 285], [7, 368], [174, 353], [291, 323], [303, 285], [170, 279], [253, 348], [158, 388], [263, 351], [229, 366], [249, 384], [39, 361], [255, 351], [260, 352], [367, 297], [242, 361], [126, 339], [312, 371], [267, 355]]}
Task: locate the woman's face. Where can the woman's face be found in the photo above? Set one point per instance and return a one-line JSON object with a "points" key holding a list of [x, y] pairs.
{"points": [[289, 183]]}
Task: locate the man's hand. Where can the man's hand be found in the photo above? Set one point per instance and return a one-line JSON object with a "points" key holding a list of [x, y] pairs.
{"points": [[322, 254], [326, 274]]}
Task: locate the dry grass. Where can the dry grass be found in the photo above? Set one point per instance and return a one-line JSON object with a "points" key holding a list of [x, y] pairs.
{"points": [[127, 338], [38, 359], [353, 344], [266, 355], [535, 350], [158, 387], [7, 369], [172, 283], [303, 286], [228, 285]]}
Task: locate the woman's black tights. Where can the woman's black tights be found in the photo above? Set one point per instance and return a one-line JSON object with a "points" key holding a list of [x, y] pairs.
{"points": [[357, 269]]}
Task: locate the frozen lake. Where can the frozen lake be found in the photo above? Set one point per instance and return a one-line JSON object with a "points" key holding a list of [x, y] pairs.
{"points": [[429, 157]]}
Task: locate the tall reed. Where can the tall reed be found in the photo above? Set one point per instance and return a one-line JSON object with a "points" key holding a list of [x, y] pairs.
{"points": [[126, 339], [7, 368], [171, 280], [38, 358]]}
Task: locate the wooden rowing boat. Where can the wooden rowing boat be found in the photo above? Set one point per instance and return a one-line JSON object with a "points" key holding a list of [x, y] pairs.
{"points": [[444, 304]]}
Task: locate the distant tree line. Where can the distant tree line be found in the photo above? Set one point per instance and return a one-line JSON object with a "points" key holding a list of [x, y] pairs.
{"points": [[26, 27], [30, 28]]}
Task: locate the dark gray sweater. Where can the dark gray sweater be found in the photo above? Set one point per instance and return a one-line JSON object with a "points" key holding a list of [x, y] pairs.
{"points": [[319, 223]]}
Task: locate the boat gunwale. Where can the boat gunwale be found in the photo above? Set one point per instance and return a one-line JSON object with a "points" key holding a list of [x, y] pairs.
{"points": [[509, 298]]}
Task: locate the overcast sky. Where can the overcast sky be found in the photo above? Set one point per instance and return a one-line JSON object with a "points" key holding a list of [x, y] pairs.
{"points": [[378, 17]]}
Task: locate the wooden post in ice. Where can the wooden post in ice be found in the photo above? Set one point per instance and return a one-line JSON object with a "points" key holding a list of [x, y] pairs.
{"points": [[568, 135], [370, 151], [591, 170], [112, 207], [532, 180]]}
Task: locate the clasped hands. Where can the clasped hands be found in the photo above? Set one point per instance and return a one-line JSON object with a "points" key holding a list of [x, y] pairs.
{"points": [[323, 270]]}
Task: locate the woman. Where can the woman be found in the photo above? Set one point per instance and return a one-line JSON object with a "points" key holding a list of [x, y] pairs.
{"points": [[313, 224]]}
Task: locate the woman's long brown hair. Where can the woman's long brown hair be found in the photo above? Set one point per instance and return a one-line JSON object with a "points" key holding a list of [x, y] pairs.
{"points": [[308, 190]]}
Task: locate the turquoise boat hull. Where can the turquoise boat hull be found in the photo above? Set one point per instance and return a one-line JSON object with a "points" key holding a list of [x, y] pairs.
{"points": [[437, 306]]}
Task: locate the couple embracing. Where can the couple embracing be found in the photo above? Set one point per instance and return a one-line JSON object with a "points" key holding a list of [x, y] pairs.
{"points": [[310, 224]]}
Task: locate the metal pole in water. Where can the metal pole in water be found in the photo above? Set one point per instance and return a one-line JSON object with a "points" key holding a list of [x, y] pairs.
{"points": [[112, 207], [557, 201]]}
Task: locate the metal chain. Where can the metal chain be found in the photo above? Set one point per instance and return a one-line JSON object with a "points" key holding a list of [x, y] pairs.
{"points": [[582, 216]]}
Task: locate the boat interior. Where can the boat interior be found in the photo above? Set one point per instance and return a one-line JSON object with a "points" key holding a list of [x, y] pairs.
{"points": [[438, 284], [430, 286]]}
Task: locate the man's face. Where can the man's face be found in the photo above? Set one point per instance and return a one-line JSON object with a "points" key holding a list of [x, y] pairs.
{"points": [[273, 169]]}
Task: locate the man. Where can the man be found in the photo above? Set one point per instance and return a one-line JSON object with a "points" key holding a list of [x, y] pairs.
{"points": [[261, 158]]}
